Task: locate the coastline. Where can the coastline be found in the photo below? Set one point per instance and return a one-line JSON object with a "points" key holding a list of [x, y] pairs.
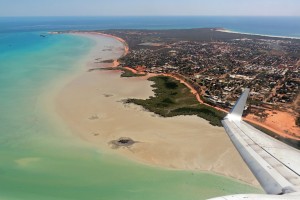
{"points": [[274, 122], [271, 123], [275, 125], [250, 118], [97, 114], [89, 33], [244, 33], [76, 153]]}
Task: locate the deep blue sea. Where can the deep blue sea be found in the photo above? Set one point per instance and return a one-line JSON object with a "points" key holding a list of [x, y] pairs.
{"points": [[276, 26], [39, 160]]}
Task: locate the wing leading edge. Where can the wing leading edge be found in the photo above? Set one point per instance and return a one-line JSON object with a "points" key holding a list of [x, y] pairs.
{"points": [[275, 164]]}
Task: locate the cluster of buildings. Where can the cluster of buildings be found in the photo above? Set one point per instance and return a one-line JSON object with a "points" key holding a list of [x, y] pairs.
{"points": [[219, 70]]}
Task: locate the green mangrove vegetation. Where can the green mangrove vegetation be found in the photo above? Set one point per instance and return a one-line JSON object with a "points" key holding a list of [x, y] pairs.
{"points": [[173, 98], [125, 72]]}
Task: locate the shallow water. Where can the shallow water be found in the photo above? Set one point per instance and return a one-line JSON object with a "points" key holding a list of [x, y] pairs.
{"points": [[41, 159]]}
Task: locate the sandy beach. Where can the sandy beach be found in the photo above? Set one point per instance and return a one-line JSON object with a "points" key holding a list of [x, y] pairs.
{"points": [[92, 106], [270, 36]]}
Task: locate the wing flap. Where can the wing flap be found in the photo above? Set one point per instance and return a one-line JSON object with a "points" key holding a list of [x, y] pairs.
{"points": [[269, 178]]}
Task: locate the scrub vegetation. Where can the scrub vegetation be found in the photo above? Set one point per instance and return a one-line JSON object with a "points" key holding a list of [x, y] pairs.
{"points": [[173, 98]]}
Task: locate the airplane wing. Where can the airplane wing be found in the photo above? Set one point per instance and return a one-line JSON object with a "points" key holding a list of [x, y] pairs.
{"points": [[275, 164]]}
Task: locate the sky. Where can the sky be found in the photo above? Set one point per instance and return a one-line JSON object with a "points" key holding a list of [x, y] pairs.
{"points": [[149, 7]]}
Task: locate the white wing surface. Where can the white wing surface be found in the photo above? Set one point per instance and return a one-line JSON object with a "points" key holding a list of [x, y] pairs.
{"points": [[275, 164]]}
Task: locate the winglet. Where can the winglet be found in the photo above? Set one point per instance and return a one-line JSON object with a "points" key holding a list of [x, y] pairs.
{"points": [[237, 111]]}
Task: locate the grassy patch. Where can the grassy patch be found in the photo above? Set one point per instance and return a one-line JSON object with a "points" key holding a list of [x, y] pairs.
{"points": [[173, 98], [128, 73]]}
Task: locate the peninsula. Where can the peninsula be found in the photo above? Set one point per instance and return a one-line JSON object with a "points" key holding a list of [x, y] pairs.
{"points": [[196, 72], [218, 64]]}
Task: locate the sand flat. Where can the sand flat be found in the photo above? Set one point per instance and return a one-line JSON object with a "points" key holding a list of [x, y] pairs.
{"points": [[92, 105]]}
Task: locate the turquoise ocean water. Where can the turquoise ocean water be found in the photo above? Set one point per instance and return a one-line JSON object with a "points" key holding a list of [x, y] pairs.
{"points": [[39, 158]]}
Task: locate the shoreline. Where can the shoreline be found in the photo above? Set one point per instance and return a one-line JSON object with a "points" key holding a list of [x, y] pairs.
{"points": [[249, 118], [224, 30], [126, 47], [97, 115]]}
